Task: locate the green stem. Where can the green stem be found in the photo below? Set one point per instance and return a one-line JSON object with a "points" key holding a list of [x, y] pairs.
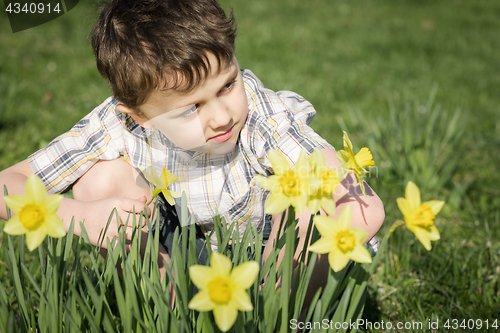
{"points": [[394, 226], [383, 245], [287, 268]]}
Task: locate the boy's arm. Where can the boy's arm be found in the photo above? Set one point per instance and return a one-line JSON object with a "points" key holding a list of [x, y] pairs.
{"points": [[367, 212], [93, 214]]}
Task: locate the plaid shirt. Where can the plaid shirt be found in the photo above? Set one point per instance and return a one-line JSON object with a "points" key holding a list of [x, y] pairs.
{"points": [[215, 184]]}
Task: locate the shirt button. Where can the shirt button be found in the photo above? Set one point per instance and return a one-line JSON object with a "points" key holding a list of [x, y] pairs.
{"points": [[194, 164]]}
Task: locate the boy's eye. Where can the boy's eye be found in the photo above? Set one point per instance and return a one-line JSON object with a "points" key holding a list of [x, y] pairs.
{"points": [[228, 86], [191, 111]]}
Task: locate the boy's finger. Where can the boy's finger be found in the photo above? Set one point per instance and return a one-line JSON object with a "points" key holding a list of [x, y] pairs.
{"points": [[139, 208], [136, 206]]}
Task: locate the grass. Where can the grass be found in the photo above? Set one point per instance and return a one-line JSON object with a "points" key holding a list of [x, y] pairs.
{"points": [[357, 62]]}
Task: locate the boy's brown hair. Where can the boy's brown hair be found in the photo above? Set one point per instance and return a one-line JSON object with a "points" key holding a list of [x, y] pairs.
{"points": [[145, 45]]}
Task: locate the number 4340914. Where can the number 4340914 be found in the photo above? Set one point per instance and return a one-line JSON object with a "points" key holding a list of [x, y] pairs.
{"points": [[32, 8], [471, 324]]}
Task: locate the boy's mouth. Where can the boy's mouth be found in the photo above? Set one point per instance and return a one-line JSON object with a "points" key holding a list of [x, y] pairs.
{"points": [[223, 137]]}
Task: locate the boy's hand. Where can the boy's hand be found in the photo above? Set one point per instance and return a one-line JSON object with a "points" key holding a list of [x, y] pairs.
{"points": [[95, 215]]}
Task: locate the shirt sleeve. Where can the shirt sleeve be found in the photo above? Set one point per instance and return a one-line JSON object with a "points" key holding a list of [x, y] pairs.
{"points": [[277, 121], [70, 155]]}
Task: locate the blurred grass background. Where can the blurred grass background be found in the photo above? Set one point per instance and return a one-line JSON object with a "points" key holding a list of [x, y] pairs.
{"points": [[418, 82]]}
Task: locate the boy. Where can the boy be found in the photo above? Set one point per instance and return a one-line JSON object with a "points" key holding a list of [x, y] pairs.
{"points": [[181, 102]]}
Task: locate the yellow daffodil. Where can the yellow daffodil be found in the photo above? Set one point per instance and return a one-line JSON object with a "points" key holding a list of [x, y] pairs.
{"points": [[287, 186], [161, 184], [357, 162], [223, 289], [36, 214], [340, 241], [329, 181], [419, 217]]}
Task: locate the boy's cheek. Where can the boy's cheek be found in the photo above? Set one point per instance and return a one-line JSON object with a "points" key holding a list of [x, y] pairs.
{"points": [[185, 132]]}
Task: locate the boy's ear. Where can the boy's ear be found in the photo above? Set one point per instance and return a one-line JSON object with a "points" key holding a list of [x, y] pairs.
{"points": [[137, 116]]}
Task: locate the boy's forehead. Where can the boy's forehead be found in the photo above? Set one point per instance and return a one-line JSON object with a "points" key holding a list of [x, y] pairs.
{"points": [[178, 83], [174, 95]]}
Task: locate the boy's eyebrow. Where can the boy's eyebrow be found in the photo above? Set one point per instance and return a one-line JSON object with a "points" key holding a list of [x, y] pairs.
{"points": [[232, 77], [235, 71]]}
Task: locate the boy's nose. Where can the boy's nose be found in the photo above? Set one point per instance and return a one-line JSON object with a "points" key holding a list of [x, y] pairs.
{"points": [[219, 115]]}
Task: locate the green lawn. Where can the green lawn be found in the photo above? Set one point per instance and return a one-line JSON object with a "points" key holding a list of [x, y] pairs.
{"points": [[379, 69]]}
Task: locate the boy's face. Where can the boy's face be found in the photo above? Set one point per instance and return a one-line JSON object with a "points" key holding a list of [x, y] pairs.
{"points": [[208, 118]]}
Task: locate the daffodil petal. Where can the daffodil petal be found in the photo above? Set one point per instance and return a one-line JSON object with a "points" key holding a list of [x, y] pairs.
{"points": [[423, 236], [322, 245], [364, 158], [221, 265], [325, 225], [168, 197], [299, 202], [317, 159], [279, 162], [268, 183], [313, 204], [337, 260], [35, 238], [361, 183], [153, 175], [404, 206], [245, 274], [240, 300], [341, 173], [328, 204], [175, 194], [157, 179], [276, 203], [412, 194], [202, 301], [146, 175], [156, 191], [201, 275], [53, 202], [435, 205], [410, 226], [360, 254], [54, 226], [360, 234], [14, 226], [347, 141], [302, 165], [343, 156], [225, 316], [433, 233], [35, 190], [16, 202], [345, 218], [313, 185]]}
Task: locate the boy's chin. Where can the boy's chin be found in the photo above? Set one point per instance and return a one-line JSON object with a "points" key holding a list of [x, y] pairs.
{"points": [[216, 148]]}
